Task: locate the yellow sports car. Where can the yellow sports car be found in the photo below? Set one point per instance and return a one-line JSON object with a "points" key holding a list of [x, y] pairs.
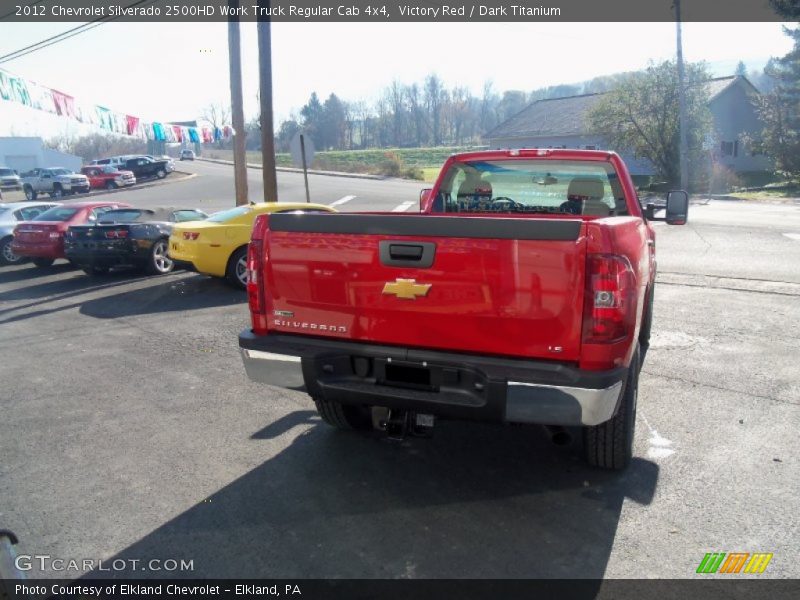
{"points": [[218, 245]]}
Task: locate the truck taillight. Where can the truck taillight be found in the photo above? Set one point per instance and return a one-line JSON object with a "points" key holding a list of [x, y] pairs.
{"points": [[610, 305], [254, 287], [255, 275]]}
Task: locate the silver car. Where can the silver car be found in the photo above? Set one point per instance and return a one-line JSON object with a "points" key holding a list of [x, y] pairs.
{"points": [[9, 180], [11, 213]]}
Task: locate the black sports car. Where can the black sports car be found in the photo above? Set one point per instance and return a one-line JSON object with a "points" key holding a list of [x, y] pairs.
{"points": [[127, 237]]}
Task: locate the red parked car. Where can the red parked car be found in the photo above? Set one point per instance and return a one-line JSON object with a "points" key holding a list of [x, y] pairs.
{"points": [[108, 177], [42, 239]]}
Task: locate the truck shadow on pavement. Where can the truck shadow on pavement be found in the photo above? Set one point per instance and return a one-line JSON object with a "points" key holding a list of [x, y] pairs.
{"points": [[172, 294], [475, 501]]}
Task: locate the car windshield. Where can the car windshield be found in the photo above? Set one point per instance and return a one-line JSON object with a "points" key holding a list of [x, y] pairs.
{"points": [[57, 213], [60, 172], [226, 215], [532, 186], [190, 215], [122, 216], [6, 172]]}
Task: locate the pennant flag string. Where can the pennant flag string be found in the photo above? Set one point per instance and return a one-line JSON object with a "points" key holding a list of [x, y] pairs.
{"points": [[28, 93]]}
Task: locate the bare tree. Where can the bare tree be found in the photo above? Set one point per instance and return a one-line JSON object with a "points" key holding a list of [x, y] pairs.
{"points": [[218, 115], [417, 111], [434, 99]]}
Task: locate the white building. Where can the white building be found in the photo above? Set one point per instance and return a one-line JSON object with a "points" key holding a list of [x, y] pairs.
{"points": [[25, 153]]}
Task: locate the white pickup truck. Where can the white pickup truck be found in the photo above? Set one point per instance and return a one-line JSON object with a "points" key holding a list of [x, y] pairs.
{"points": [[56, 181]]}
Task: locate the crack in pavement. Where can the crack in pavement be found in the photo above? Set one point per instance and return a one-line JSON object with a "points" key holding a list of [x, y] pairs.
{"points": [[721, 388]]}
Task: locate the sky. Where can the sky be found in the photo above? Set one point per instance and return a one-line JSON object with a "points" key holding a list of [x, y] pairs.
{"points": [[171, 72]]}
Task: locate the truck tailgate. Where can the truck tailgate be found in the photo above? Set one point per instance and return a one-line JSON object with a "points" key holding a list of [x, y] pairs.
{"points": [[500, 286]]}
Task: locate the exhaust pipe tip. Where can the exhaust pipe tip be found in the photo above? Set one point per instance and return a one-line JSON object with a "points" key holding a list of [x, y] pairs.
{"points": [[558, 435], [562, 438]]}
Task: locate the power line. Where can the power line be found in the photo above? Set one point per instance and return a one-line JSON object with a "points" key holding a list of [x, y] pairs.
{"points": [[44, 43], [65, 35]]}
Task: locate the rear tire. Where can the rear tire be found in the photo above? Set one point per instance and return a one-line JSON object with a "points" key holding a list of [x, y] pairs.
{"points": [[30, 195], [610, 444], [236, 271], [159, 263], [342, 416], [7, 256], [647, 324], [43, 262]]}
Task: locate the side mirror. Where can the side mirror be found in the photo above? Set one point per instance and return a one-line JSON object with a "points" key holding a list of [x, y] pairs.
{"points": [[677, 209], [423, 198]]}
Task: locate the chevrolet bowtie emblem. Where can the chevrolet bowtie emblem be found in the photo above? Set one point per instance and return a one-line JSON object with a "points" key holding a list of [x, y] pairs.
{"points": [[407, 289]]}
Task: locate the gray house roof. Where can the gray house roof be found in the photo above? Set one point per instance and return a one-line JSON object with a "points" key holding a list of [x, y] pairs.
{"points": [[567, 116], [552, 117]]}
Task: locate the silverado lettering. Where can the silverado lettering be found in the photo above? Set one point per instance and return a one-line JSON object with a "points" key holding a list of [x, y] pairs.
{"points": [[522, 292]]}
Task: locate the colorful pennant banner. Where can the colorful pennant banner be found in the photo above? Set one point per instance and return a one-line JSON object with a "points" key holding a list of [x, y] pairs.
{"points": [[31, 94]]}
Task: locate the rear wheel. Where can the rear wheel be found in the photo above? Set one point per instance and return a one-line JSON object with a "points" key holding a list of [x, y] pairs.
{"points": [[343, 416], [159, 263], [236, 273], [610, 444], [647, 324], [7, 256], [30, 195], [43, 262]]}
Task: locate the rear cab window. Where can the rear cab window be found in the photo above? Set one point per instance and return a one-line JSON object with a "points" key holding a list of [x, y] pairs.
{"points": [[532, 186]]}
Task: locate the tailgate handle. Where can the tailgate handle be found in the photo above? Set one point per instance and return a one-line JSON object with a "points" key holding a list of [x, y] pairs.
{"points": [[405, 254], [402, 251]]}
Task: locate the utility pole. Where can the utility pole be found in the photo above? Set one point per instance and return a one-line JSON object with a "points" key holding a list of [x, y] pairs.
{"points": [[237, 107], [683, 149], [267, 125]]}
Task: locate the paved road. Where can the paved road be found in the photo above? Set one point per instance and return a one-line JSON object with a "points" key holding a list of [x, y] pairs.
{"points": [[213, 189], [129, 431]]}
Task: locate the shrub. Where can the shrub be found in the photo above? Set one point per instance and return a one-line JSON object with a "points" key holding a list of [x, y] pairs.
{"points": [[391, 165]]}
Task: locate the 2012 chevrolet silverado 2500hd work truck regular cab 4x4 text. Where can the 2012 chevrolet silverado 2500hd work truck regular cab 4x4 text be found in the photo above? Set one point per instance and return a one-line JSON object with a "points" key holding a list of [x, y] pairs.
{"points": [[521, 293]]}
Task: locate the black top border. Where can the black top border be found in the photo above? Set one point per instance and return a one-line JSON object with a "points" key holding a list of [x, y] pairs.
{"points": [[429, 226], [383, 11]]}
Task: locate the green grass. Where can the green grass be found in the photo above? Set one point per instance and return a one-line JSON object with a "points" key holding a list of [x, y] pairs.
{"points": [[429, 174], [783, 193], [428, 160]]}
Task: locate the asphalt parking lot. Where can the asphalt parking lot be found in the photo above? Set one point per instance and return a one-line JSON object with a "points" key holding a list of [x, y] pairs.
{"points": [[130, 431]]}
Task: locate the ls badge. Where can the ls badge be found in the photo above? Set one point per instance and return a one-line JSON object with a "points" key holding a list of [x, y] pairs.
{"points": [[408, 289]]}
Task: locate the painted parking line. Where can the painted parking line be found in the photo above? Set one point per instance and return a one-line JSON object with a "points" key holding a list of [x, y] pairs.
{"points": [[342, 200], [404, 206], [793, 236]]}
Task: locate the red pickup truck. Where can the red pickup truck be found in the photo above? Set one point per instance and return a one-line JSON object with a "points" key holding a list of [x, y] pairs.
{"points": [[521, 293]]}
